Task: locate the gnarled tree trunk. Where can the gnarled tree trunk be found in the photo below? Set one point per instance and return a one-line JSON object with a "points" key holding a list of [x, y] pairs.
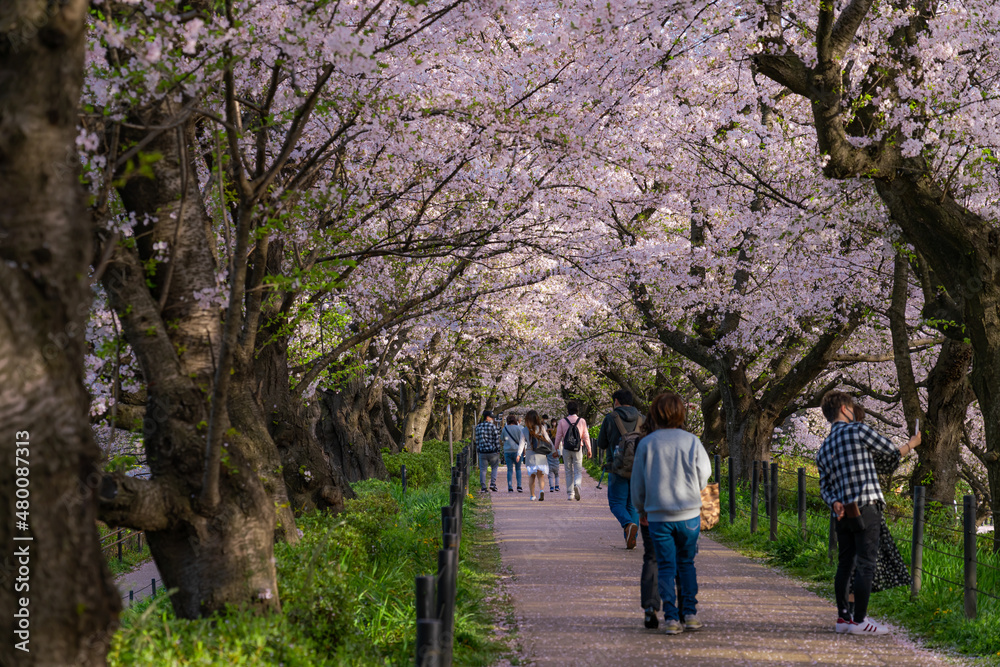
{"points": [[311, 482], [215, 556], [51, 554], [352, 430]]}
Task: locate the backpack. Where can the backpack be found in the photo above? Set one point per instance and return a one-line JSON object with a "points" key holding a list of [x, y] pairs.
{"points": [[571, 441], [540, 446], [624, 452]]}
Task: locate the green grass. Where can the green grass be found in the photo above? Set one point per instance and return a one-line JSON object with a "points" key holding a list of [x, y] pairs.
{"points": [[936, 615], [347, 592]]}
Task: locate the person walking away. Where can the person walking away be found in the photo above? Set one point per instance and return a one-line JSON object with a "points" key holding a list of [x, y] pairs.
{"points": [[848, 483], [487, 442], [515, 440], [553, 459], [539, 445], [671, 468], [619, 497], [573, 438]]}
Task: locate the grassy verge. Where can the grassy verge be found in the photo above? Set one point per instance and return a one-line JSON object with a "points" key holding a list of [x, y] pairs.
{"points": [[347, 592], [936, 616]]}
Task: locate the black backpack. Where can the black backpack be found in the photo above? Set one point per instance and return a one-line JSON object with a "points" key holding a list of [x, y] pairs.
{"points": [[624, 452], [571, 441]]}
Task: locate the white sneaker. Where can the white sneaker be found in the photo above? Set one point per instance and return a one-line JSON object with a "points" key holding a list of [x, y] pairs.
{"points": [[867, 628], [843, 626], [532, 498]]}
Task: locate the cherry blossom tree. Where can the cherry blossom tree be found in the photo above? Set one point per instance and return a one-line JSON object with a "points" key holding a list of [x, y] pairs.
{"points": [[902, 96]]}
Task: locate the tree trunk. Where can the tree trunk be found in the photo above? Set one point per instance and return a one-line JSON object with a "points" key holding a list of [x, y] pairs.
{"points": [[310, 481], [469, 418], [748, 431], [457, 421], [45, 248], [438, 426], [246, 413], [352, 430], [949, 394], [714, 433], [963, 250], [415, 423], [218, 556]]}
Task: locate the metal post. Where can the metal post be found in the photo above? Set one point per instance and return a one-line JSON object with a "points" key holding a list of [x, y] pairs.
{"points": [[766, 483], [131, 596], [802, 503], [969, 519], [426, 604], [832, 547], [402, 471], [447, 564], [732, 492], [120, 540], [428, 624], [446, 526], [754, 484], [718, 467], [774, 502], [917, 546], [451, 444], [457, 509], [154, 587], [428, 642]]}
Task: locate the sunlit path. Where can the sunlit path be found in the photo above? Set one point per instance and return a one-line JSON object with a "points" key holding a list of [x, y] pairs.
{"points": [[575, 590]]}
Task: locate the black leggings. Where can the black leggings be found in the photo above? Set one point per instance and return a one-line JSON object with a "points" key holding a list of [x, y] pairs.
{"points": [[858, 554]]}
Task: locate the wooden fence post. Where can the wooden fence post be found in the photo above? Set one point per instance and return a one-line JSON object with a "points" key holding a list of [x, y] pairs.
{"points": [[969, 521], [917, 545], [754, 483]]}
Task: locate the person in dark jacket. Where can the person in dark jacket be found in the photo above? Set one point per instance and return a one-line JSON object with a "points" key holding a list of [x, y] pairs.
{"points": [[619, 494]]}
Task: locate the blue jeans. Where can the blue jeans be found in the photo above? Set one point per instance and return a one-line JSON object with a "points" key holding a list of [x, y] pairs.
{"points": [[491, 459], [509, 457], [620, 500], [676, 545]]}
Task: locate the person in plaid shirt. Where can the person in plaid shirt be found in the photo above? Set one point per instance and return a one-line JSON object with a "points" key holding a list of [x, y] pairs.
{"points": [[487, 441], [846, 476]]}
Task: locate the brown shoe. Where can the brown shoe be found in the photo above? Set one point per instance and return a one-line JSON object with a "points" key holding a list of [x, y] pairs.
{"points": [[631, 530]]}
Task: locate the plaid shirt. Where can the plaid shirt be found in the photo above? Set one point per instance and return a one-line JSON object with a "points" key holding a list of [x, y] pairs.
{"points": [[487, 438], [847, 467]]}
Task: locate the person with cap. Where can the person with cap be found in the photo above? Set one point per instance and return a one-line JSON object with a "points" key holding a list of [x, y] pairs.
{"points": [[486, 440]]}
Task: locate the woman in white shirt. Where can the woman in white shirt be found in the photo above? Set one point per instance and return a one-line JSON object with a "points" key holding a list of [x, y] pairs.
{"points": [[538, 465]]}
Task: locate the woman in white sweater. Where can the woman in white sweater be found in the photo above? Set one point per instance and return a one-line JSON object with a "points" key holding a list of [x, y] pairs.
{"points": [[670, 470]]}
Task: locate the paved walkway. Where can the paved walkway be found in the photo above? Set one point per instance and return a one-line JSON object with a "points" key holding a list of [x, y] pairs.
{"points": [[575, 590], [139, 580]]}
